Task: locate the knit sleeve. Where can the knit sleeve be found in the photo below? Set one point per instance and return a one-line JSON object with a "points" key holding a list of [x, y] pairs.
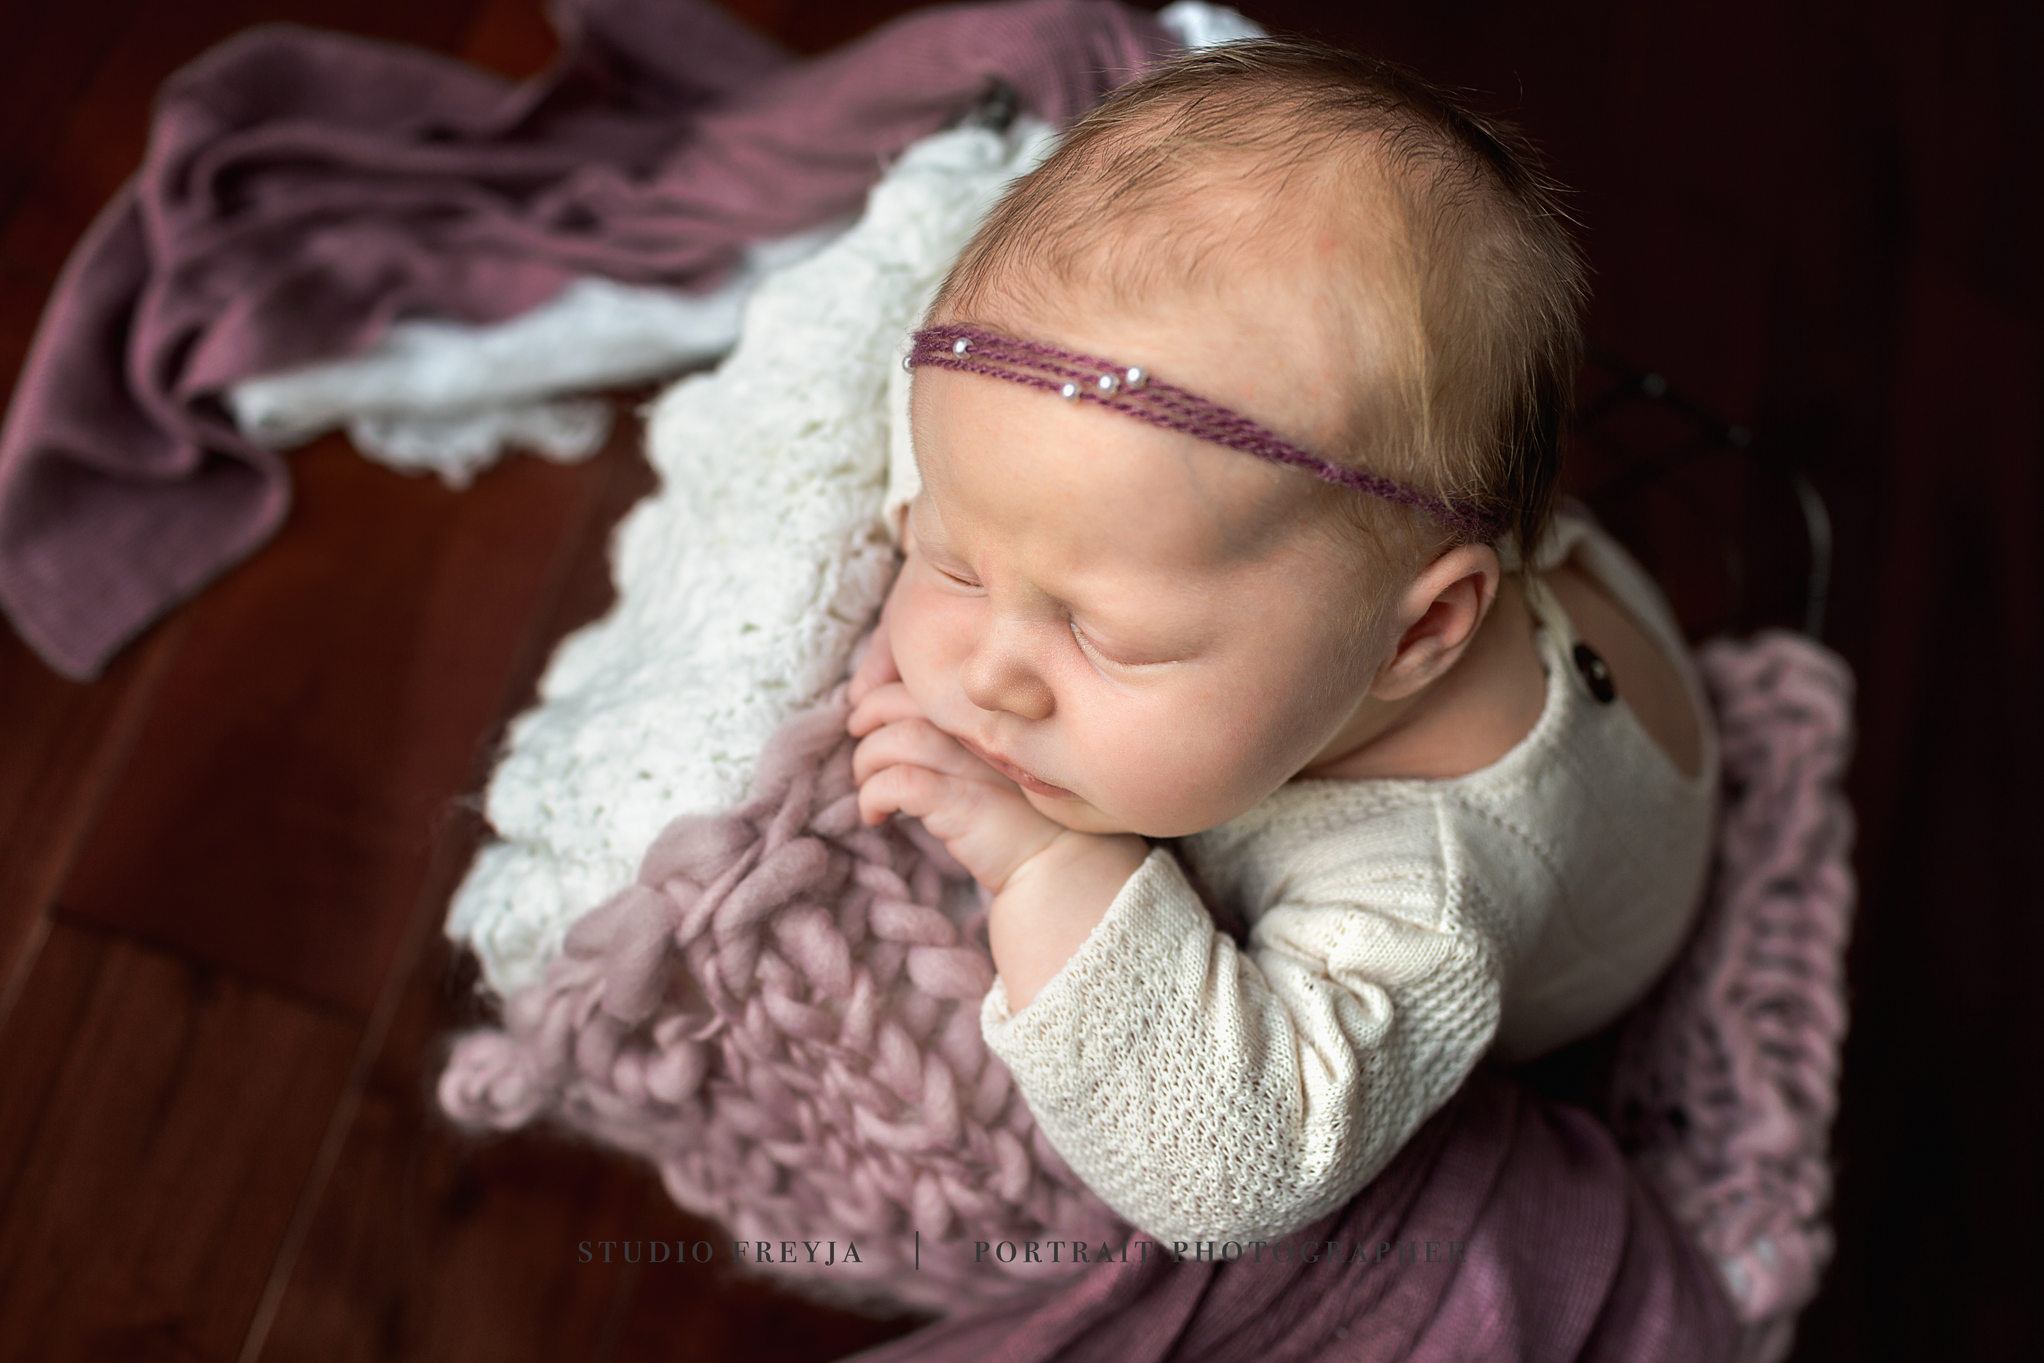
{"points": [[1210, 1093]]}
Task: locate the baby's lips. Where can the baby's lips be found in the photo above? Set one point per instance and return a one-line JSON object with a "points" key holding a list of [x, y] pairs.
{"points": [[1014, 773]]}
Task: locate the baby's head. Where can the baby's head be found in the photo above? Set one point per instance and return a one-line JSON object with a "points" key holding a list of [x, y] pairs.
{"points": [[1113, 597]]}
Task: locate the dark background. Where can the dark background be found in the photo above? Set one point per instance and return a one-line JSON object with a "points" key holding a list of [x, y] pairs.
{"points": [[222, 867]]}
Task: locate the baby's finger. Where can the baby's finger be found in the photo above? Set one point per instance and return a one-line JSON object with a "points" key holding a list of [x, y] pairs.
{"points": [[877, 668], [946, 804], [894, 791], [919, 743], [889, 704], [989, 830]]}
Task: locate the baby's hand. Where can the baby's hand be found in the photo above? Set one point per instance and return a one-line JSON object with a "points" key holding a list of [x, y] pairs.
{"points": [[908, 765], [1051, 884]]}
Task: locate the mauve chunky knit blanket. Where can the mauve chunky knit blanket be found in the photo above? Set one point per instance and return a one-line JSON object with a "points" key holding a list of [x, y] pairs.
{"points": [[783, 1015]]}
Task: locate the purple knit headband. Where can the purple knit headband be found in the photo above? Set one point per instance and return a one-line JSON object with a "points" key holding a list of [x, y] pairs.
{"points": [[1133, 391]]}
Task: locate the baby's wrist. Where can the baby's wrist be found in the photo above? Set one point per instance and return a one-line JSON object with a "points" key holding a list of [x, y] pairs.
{"points": [[1072, 855], [1052, 902]]}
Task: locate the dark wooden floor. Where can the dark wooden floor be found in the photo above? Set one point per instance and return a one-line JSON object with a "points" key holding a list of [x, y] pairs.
{"points": [[223, 993]]}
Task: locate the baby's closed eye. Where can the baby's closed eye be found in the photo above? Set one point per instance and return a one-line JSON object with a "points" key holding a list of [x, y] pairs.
{"points": [[956, 575], [1116, 656]]}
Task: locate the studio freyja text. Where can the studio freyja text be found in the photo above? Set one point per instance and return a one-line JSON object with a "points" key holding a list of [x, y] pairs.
{"points": [[834, 1253]]}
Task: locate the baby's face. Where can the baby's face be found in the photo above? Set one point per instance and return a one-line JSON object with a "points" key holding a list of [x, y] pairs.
{"points": [[1147, 632]]}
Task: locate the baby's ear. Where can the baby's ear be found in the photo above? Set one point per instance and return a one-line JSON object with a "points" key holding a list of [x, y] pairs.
{"points": [[1436, 617]]}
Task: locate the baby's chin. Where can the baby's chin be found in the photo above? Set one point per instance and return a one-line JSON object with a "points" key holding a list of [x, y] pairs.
{"points": [[1074, 813], [1079, 816]]}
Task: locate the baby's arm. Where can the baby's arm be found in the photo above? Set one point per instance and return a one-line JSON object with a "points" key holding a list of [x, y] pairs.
{"points": [[1209, 1093], [1051, 885]]}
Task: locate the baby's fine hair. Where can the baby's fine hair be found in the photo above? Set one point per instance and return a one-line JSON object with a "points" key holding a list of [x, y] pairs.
{"points": [[1145, 197]]}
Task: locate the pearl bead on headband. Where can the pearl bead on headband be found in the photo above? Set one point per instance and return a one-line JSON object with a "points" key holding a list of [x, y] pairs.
{"points": [[1133, 391]]}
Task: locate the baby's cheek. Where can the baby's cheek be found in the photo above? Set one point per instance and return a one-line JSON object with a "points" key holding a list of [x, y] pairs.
{"points": [[1206, 772], [922, 639], [1148, 782]]}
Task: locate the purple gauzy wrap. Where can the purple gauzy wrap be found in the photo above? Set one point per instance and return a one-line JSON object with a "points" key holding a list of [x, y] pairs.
{"points": [[303, 190], [1507, 1229]]}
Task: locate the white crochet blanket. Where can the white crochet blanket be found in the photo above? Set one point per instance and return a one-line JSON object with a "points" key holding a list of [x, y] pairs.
{"points": [[743, 583]]}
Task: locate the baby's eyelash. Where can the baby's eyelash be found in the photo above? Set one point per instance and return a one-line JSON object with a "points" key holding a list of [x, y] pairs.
{"points": [[1087, 647]]}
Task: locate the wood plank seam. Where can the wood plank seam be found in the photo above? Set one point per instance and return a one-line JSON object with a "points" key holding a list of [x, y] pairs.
{"points": [[111, 759], [455, 844]]}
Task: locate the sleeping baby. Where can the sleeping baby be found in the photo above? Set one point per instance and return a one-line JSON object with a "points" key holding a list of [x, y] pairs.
{"points": [[1235, 576]]}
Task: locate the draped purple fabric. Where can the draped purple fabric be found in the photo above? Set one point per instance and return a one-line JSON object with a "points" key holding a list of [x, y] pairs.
{"points": [[302, 190], [1544, 1245]]}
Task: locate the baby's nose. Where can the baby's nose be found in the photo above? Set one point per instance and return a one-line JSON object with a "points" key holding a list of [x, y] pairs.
{"points": [[1000, 674]]}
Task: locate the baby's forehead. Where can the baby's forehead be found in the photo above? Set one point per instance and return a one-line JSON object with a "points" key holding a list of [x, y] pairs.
{"points": [[1005, 462], [1311, 267]]}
